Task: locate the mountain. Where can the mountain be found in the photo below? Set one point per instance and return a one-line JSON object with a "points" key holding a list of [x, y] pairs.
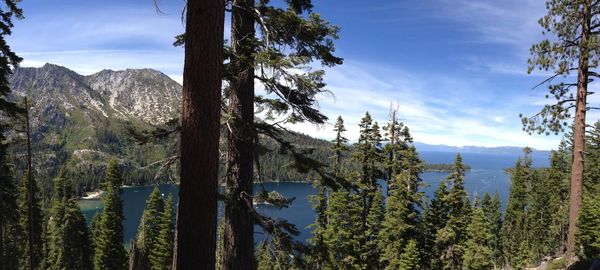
{"points": [[501, 150], [80, 121]]}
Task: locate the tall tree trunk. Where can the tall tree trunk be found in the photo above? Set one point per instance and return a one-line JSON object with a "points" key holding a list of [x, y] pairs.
{"points": [[195, 244], [31, 260], [579, 130], [238, 220]]}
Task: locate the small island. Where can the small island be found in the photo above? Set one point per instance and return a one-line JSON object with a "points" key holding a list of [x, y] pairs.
{"points": [[441, 167]]}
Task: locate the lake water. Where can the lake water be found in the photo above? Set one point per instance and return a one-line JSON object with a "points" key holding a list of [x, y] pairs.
{"points": [[487, 175]]}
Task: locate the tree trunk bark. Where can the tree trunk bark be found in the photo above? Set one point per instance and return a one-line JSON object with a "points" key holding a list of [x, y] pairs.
{"points": [[579, 131], [238, 231], [195, 240], [134, 258], [31, 260]]}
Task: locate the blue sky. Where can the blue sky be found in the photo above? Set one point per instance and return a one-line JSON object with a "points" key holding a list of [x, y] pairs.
{"points": [[455, 69]]}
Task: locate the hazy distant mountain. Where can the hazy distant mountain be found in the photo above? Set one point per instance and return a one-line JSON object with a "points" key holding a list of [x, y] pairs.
{"points": [[501, 150]]}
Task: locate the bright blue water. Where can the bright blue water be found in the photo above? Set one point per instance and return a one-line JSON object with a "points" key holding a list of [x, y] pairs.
{"points": [[487, 175]]}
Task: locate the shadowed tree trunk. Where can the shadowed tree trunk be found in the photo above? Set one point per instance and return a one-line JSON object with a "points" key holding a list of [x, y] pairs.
{"points": [[579, 129], [195, 240], [238, 246], [31, 260]]}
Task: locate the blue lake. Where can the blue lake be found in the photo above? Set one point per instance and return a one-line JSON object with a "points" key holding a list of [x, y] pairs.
{"points": [[487, 175]]}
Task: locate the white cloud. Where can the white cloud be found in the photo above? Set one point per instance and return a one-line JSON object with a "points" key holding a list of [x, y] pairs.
{"points": [[441, 115]]}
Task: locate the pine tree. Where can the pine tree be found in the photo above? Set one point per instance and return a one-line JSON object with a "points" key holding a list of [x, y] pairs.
{"points": [[558, 180], [478, 251], [399, 224], [161, 256], [588, 224], [68, 240], [434, 219], [514, 228], [367, 156], [10, 245], [149, 228], [200, 132], [588, 233], [37, 227], [572, 46], [452, 237], [76, 241], [95, 230], [10, 229], [342, 235], [542, 206], [492, 210], [319, 252], [256, 41], [371, 252], [410, 257], [110, 253]]}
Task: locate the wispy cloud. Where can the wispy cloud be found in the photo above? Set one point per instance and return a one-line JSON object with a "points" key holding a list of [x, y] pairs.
{"points": [[465, 119]]}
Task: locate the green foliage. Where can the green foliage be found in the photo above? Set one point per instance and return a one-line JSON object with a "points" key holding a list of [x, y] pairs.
{"points": [[10, 245], [161, 256], [399, 224], [150, 226], [478, 250], [410, 257], [68, 241], [370, 254], [109, 250], [37, 224], [514, 230], [434, 219], [492, 211], [452, 237], [342, 235], [588, 227], [562, 53]]}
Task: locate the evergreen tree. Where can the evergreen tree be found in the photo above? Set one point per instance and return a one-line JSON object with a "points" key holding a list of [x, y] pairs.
{"points": [[514, 228], [320, 253], [399, 224], [434, 219], [478, 251], [367, 156], [110, 253], [77, 251], [451, 238], [588, 233], [558, 180], [150, 226], [161, 256], [371, 252], [342, 235], [10, 229], [95, 230], [200, 131], [410, 257], [492, 210], [37, 228], [257, 41], [572, 46], [542, 206], [68, 240], [10, 245]]}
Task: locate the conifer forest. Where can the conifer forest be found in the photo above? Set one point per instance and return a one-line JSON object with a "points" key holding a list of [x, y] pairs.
{"points": [[405, 134]]}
